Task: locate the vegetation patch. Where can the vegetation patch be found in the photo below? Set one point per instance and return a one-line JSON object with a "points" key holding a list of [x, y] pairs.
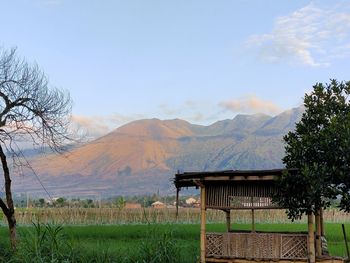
{"points": [[131, 243]]}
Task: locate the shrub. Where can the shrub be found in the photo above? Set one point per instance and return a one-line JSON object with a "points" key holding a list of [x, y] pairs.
{"points": [[47, 243]]}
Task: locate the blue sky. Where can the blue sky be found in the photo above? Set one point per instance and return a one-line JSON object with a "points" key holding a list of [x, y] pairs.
{"points": [[201, 61]]}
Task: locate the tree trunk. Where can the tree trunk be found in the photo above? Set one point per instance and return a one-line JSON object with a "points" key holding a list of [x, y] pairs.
{"points": [[8, 209], [311, 238], [318, 234], [322, 223]]}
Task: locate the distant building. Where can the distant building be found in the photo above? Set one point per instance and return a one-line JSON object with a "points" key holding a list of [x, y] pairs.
{"points": [[191, 201], [132, 205], [158, 204]]}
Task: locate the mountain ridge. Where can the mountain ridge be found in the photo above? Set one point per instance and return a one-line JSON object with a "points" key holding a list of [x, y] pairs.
{"points": [[142, 156]]}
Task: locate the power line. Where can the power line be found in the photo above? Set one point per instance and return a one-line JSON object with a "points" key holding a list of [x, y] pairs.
{"points": [[33, 171]]}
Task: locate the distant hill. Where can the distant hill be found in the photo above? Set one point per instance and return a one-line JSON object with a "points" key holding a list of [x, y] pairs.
{"points": [[142, 156]]}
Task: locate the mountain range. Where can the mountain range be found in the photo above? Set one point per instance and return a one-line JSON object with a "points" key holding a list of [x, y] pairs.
{"points": [[142, 157]]}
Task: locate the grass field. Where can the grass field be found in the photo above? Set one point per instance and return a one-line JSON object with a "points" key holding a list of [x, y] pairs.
{"points": [[124, 243]]}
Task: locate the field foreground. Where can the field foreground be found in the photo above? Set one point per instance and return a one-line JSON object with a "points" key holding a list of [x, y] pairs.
{"points": [[133, 243]]}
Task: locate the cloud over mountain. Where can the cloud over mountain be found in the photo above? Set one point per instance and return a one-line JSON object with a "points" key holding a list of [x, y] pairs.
{"points": [[250, 104], [96, 126]]}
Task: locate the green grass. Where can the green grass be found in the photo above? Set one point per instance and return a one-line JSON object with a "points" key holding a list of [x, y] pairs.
{"points": [[118, 241], [126, 239]]}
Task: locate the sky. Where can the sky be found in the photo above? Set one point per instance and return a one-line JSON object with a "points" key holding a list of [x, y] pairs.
{"points": [[201, 61]]}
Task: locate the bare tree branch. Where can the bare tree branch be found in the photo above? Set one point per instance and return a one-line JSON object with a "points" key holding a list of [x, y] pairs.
{"points": [[31, 110]]}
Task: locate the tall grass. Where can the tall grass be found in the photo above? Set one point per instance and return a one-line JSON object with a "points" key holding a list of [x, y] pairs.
{"points": [[44, 243], [113, 216]]}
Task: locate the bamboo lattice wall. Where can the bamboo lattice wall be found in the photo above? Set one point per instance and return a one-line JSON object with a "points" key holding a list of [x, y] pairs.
{"points": [[272, 246], [240, 196]]}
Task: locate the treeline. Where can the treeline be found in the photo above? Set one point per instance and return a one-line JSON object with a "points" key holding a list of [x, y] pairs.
{"points": [[119, 202]]}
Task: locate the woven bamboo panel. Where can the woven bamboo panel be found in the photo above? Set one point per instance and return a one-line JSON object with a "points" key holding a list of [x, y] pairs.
{"points": [[293, 246], [272, 246], [214, 245], [240, 196]]}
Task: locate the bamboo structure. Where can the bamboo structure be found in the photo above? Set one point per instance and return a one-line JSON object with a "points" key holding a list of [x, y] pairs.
{"points": [[203, 223], [228, 220], [177, 203], [253, 245], [249, 190]]}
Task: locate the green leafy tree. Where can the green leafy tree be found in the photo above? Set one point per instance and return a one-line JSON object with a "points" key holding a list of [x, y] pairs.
{"points": [[120, 203], [41, 202], [89, 203], [61, 201], [319, 148]]}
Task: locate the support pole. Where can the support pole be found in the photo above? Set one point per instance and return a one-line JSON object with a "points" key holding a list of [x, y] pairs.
{"points": [[253, 215], [228, 220], [318, 234], [253, 220], [311, 238], [203, 222], [177, 203], [345, 240]]}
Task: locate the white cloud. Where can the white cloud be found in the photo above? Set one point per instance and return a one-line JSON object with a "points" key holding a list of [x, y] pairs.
{"points": [[96, 126], [198, 112], [205, 113], [312, 35], [250, 104]]}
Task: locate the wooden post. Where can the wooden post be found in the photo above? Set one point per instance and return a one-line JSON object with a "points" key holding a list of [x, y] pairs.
{"points": [[345, 239], [318, 234], [253, 216], [177, 203], [228, 220], [311, 238], [203, 222]]}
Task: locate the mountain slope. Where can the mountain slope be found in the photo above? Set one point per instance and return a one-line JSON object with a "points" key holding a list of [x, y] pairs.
{"points": [[142, 156]]}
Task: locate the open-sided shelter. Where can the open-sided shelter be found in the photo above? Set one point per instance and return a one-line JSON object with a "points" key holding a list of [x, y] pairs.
{"points": [[253, 190]]}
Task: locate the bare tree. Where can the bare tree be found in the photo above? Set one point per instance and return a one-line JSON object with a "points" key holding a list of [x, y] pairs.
{"points": [[29, 110]]}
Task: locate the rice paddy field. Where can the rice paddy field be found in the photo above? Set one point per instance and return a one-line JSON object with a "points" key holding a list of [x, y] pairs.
{"points": [[135, 240], [122, 238], [122, 241]]}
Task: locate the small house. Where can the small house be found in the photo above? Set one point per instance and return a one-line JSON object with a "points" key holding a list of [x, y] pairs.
{"points": [[190, 201], [132, 205], [158, 204]]}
